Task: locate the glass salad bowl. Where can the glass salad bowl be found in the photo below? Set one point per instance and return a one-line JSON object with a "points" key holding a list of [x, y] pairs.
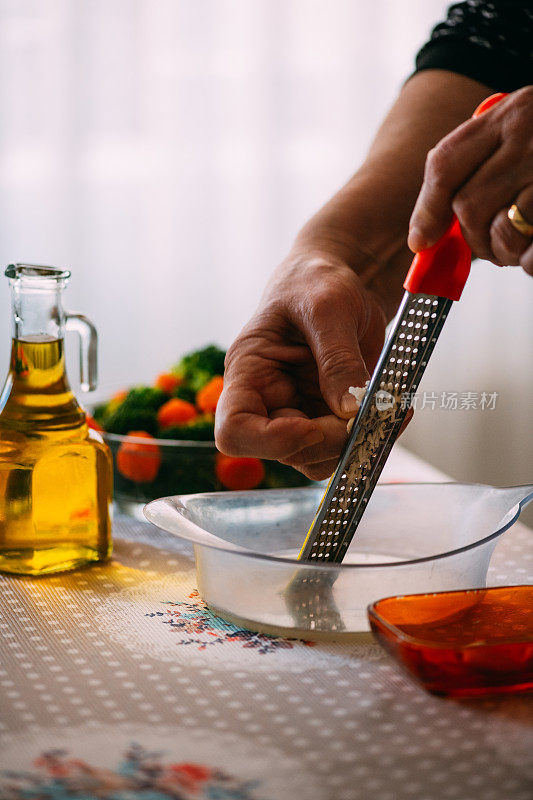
{"points": [[161, 436], [413, 538], [146, 469]]}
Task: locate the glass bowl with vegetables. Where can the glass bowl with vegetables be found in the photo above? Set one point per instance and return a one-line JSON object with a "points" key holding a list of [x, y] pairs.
{"points": [[162, 438]]}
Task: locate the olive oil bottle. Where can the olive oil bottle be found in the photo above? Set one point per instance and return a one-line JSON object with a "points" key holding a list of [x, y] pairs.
{"points": [[55, 473]]}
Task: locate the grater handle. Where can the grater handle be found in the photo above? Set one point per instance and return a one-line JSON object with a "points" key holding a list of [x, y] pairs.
{"points": [[443, 269]]}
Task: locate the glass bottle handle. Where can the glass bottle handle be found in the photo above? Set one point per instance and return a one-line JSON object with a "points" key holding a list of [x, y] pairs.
{"points": [[88, 349]]}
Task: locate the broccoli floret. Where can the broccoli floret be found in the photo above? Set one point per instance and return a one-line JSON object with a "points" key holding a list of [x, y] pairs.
{"points": [[99, 412], [188, 471], [200, 429], [144, 397], [127, 418], [198, 367], [137, 412], [184, 392]]}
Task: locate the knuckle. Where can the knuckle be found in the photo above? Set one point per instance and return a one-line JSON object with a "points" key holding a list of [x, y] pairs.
{"points": [[337, 361], [438, 162], [330, 306], [232, 352], [244, 346], [518, 113], [521, 101], [525, 94], [503, 242], [467, 209], [332, 289], [323, 300], [526, 260]]}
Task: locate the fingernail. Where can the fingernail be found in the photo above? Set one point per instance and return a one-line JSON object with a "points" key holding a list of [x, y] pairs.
{"points": [[349, 404], [314, 437], [416, 240]]}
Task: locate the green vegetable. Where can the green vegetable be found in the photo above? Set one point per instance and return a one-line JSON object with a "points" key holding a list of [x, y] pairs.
{"points": [[198, 367], [99, 413], [201, 429], [187, 472], [184, 392], [137, 412], [128, 418], [145, 397]]}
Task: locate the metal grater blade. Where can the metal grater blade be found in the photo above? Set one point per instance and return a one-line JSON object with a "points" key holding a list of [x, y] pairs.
{"points": [[387, 399], [310, 600]]}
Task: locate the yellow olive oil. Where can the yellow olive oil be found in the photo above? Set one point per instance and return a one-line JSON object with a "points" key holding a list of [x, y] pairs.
{"points": [[55, 473]]}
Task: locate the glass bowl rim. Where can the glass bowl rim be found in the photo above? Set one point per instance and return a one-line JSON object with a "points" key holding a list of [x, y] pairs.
{"points": [[236, 550], [202, 444]]}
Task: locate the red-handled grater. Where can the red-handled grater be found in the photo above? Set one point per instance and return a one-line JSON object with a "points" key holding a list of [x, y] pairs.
{"points": [[436, 278]]}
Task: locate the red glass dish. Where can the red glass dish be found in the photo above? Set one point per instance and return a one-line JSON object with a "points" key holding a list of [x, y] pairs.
{"points": [[464, 643]]}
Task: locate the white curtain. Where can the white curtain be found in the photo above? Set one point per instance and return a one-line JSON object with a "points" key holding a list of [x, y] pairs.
{"points": [[169, 151]]}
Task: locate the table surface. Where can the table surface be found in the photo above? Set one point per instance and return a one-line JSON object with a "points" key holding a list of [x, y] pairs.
{"points": [[116, 682]]}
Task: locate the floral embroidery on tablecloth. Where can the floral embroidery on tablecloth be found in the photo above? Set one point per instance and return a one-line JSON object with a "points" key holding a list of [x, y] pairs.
{"points": [[140, 775], [194, 617]]}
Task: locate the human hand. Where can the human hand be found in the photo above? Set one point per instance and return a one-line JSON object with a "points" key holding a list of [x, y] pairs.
{"points": [[477, 172], [317, 332]]}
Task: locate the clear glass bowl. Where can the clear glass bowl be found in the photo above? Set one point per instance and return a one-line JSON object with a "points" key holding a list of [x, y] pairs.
{"points": [[413, 538], [177, 467]]}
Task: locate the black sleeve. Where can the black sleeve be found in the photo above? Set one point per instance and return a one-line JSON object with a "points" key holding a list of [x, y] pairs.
{"points": [[489, 42]]}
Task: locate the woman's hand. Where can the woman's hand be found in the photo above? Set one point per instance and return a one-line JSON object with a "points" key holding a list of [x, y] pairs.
{"points": [[477, 172], [316, 332]]}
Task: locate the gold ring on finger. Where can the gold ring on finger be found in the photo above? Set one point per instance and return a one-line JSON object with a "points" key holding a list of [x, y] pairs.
{"points": [[519, 222]]}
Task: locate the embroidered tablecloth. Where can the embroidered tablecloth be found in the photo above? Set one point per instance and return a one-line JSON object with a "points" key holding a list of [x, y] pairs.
{"points": [[117, 683]]}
